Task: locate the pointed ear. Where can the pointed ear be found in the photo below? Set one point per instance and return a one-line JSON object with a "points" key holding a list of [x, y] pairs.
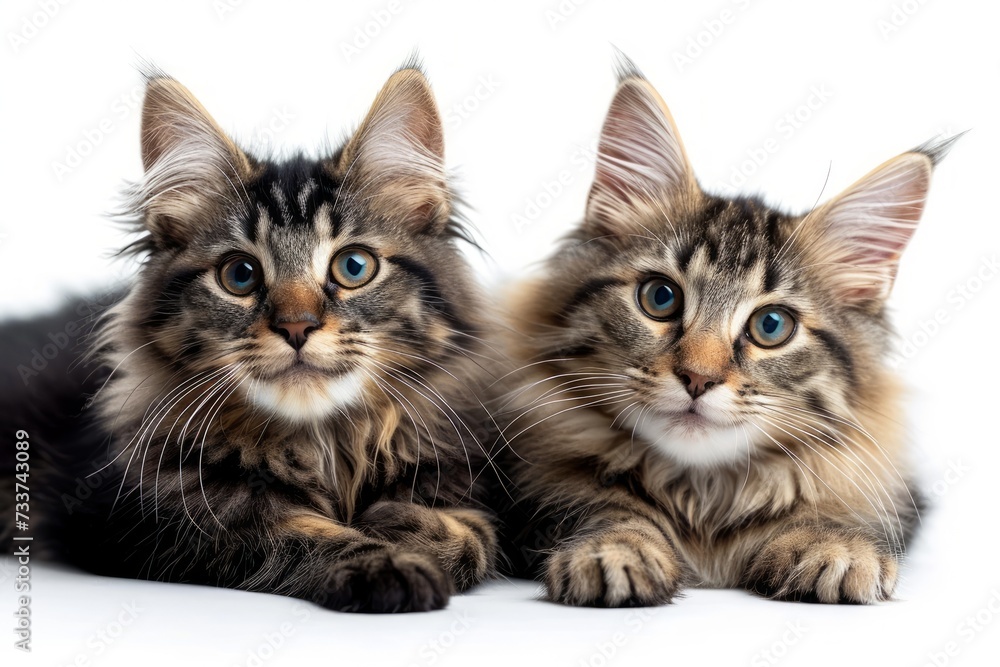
{"points": [[641, 161], [859, 236], [395, 160], [192, 169]]}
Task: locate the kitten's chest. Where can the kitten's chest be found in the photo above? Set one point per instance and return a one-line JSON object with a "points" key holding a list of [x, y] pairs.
{"points": [[308, 465], [707, 508]]}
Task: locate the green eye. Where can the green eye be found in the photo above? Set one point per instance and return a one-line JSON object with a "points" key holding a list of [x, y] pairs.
{"points": [[353, 267], [660, 298], [240, 274], [771, 326]]}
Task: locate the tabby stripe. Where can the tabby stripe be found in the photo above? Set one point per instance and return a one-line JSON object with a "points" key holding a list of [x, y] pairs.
{"points": [[837, 348], [587, 291], [173, 289], [430, 290]]}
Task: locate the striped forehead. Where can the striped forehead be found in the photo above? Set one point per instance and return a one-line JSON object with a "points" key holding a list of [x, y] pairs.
{"points": [[731, 245], [290, 201], [292, 222]]}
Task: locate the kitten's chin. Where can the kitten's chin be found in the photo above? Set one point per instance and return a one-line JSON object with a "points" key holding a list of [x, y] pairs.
{"points": [[307, 399], [693, 440]]}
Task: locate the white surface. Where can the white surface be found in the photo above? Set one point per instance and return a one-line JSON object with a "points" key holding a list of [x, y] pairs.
{"points": [[275, 73]]}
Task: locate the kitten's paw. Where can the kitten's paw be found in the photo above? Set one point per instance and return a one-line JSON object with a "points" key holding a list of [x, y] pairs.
{"points": [[622, 569], [387, 582], [823, 565], [463, 540], [470, 556]]}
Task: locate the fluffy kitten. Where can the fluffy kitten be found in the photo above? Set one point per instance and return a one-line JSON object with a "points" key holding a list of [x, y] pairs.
{"points": [[293, 402], [706, 401]]}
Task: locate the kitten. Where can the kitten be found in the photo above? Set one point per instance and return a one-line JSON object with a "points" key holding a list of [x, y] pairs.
{"points": [[706, 400], [287, 400]]}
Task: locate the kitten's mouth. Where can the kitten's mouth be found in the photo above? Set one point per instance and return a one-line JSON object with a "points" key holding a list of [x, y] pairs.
{"points": [[303, 370], [303, 392], [690, 437], [692, 417]]}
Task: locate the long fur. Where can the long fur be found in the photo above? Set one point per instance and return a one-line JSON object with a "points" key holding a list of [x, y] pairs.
{"points": [[349, 471], [789, 475]]}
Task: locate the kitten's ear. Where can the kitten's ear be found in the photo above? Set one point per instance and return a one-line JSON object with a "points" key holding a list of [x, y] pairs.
{"points": [[641, 161], [395, 160], [192, 169], [859, 236]]}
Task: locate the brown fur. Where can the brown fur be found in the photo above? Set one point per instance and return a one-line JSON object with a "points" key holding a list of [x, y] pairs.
{"points": [[343, 467], [813, 501]]}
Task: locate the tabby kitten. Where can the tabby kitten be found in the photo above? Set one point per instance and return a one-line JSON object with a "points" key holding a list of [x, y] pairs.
{"points": [[293, 402], [706, 400]]}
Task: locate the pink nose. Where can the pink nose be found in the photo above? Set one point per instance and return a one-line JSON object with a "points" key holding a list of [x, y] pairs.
{"points": [[295, 333], [696, 383]]}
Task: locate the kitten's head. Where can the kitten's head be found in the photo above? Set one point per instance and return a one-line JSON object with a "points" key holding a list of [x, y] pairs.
{"points": [[297, 280], [714, 326]]}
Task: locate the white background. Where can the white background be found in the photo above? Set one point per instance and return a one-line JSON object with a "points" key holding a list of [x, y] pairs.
{"points": [[894, 74]]}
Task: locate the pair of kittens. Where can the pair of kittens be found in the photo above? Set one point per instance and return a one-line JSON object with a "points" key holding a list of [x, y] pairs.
{"points": [[305, 392]]}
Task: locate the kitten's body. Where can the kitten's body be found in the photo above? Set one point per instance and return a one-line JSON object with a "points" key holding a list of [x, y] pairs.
{"points": [[311, 437], [654, 453]]}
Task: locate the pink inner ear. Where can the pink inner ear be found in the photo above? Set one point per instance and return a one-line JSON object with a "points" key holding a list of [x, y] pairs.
{"points": [[640, 153], [865, 230]]}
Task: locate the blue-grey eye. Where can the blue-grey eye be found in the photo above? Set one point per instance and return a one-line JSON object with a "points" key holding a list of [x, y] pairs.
{"points": [[353, 267], [771, 326], [240, 274], [660, 298]]}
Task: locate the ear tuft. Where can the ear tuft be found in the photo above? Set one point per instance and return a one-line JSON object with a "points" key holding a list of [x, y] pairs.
{"points": [[395, 160], [625, 67], [938, 149]]}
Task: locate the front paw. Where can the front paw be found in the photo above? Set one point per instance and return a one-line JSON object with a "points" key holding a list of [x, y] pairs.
{"points": [[619, 569], [823, 565], [463, 540], [470, 556], [388, 582]]}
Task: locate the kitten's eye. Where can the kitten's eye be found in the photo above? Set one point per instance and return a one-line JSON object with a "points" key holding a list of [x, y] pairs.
{"points": [[660, 298], [240, 274], [770, 326], [353, 267]]}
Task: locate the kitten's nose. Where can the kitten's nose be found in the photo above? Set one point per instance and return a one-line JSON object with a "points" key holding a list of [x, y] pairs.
{"points": [[696, 383], [295, 333]]}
